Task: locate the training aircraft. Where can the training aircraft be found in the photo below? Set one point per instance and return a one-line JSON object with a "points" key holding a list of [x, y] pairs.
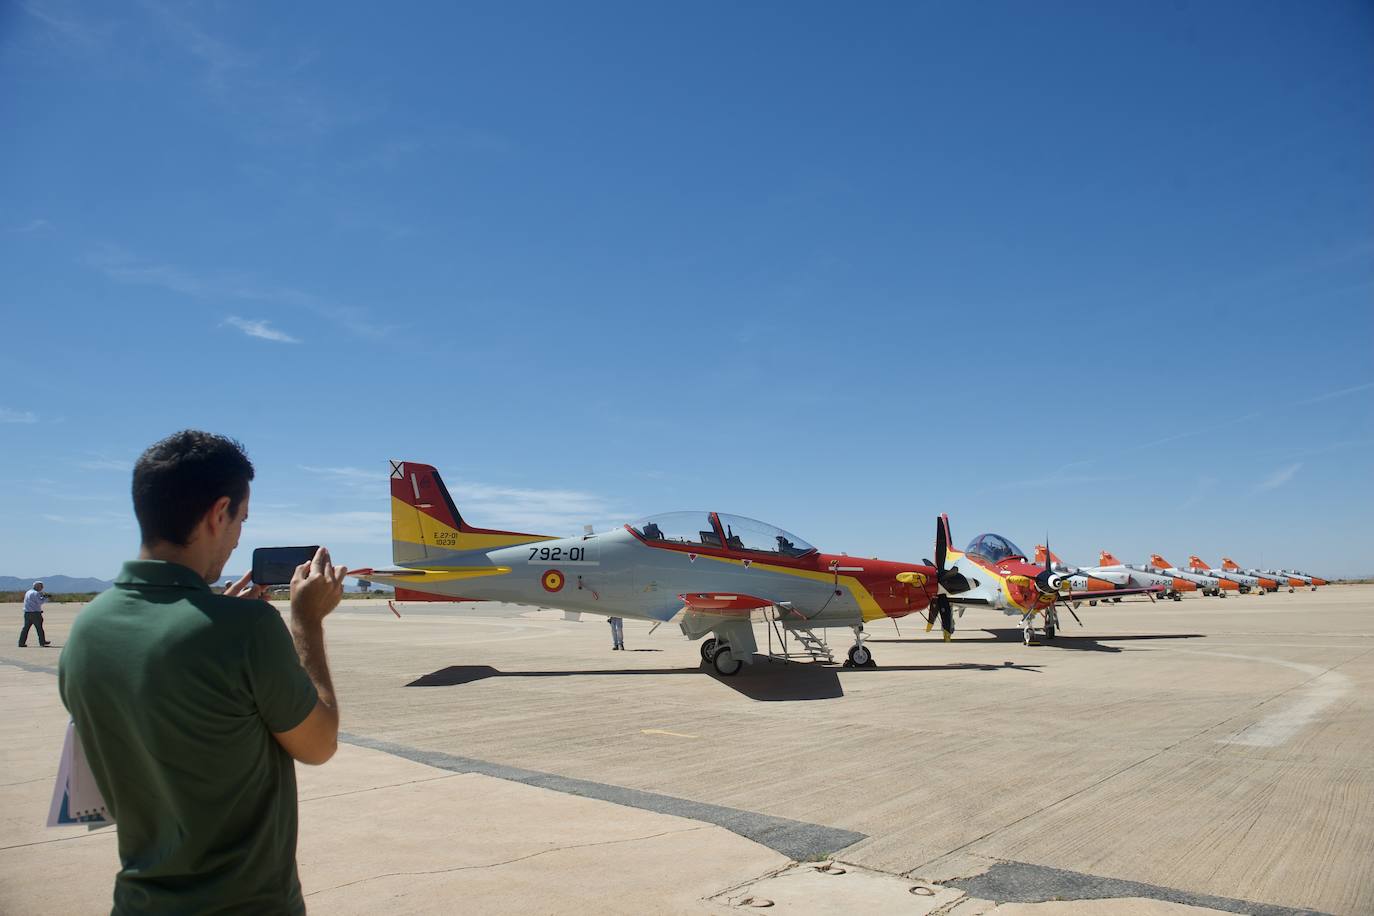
{"points": [[1280, 579], [994, 572], [1085, 578], [1210, 585], [718, 568], [1173, 586], [1246, 583], [1314, 580]]}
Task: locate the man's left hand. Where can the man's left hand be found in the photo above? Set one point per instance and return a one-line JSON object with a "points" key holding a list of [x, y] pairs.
{"points": [[244, 588]]}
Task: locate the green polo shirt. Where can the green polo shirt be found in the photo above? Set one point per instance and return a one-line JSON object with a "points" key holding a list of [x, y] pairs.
{"points": [[175, 692]]}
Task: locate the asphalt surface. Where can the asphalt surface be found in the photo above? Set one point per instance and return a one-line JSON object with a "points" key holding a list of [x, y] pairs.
{"points": [[1206, 753]]}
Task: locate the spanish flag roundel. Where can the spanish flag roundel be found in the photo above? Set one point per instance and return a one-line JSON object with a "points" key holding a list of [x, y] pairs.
{"points": [[552, 581]]}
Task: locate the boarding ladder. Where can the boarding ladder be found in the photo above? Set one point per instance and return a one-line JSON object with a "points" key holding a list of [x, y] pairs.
{"points": [[784, 619]]}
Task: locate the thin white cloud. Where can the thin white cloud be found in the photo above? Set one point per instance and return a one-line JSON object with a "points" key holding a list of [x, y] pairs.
{"points": [[328, 528], [361, 479], [76, 30], [259, 329], [10, 415], [100, 520], [1279, 477], [1340, 393], [484, 505], [101, 463], [32, 225], [528, 509], [122, 267]]}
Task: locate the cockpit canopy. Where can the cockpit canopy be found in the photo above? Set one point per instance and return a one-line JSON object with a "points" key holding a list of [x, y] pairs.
{"points": [[716, 529], [993, 548]]}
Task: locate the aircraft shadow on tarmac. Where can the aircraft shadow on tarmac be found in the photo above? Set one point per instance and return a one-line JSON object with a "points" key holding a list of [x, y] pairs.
{"points": [[766, 680], [1079, 643]]}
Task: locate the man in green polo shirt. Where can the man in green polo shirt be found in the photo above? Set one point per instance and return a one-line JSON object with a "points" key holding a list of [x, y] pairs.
{"points": [[192, 706]]}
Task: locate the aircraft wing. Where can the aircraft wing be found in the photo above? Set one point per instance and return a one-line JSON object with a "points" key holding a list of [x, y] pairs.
{"points": [[723, 603], [969, 602], [1114, 593]]}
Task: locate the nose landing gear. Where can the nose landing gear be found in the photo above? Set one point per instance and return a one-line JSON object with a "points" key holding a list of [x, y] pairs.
{"points": [[859, 656]]}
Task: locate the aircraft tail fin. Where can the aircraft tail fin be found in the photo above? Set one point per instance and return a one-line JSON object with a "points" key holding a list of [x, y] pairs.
{"points": [[1040, 556], [1106, 559], [425, 522], [1160, 562], [1229, 564], [1196, 563]]}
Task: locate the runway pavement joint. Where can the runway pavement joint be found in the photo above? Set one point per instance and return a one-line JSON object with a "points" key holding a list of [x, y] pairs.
{"points": [[797, 840]]}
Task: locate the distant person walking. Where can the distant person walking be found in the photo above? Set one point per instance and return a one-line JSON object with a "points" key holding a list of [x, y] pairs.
{"points": [[617, 632], [34, 599], [192, 706]]}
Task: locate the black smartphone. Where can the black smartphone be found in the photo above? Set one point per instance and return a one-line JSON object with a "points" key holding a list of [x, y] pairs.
{"points": [[276, 565]]}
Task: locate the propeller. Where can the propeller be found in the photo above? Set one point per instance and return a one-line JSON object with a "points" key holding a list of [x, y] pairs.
{"points": [[950, 582]]}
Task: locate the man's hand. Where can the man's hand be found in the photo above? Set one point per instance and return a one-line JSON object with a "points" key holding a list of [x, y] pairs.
{"points": [[244, 588], [316, 588]]}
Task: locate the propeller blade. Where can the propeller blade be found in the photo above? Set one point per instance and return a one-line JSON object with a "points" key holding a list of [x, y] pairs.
{"points": [[1068, 607], [946, 616], [941, 543]]}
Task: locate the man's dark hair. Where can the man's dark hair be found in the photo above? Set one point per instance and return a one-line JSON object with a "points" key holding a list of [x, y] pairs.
{"points": [[177, 480]]}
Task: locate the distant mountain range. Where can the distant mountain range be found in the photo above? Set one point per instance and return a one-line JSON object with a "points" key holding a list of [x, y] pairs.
{"points": [[56, 584]]}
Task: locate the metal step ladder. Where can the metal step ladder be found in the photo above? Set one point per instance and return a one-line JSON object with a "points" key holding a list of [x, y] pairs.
{"points": [[785, 619]]}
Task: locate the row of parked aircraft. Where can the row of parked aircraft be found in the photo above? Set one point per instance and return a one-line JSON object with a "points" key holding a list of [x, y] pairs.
{"points": [[716, 570], [1199, 576]]}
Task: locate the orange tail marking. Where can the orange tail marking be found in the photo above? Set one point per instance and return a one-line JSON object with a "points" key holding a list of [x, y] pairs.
{"points": [[1106, 559]]}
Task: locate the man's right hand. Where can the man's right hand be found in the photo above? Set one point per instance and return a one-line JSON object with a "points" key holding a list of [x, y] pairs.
{"points": [[316, 588]]}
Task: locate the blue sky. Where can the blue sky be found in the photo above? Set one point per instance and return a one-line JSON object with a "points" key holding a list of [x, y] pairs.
{"points": [[1101, 270]]}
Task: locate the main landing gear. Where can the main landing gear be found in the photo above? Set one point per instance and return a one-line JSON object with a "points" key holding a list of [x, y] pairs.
{"points": [[859, 656], [721, 658]]}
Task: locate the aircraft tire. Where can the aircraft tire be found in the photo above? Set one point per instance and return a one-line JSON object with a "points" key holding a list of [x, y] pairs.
{"points": [[708, 649], [1027, 636], [860, 657], [1049, 631], [722, 660]]}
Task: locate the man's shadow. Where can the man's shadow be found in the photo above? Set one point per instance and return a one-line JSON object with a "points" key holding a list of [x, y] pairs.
{"points": [[766, 681]]}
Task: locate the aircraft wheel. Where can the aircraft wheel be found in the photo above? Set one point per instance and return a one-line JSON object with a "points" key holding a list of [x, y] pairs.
{"points": [[860, 657], [726, 663], [708, 649], [1049, 631], [1027, 635]]}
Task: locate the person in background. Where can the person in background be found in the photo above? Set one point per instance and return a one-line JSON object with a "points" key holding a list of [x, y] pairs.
{"points": [[193, 707], [34, 599], [617, 632]]}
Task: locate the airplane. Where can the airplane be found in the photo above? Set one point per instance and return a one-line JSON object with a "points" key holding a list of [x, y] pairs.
{"points": [[1246, 583], [1315, 580], [1090, 578], [1173, 586], [1279, 579], [719, 568], [1210, 585], [994, 572]]}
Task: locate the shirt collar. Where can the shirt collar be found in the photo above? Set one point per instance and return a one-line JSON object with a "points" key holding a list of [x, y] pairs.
{"points": [[160, 573]]}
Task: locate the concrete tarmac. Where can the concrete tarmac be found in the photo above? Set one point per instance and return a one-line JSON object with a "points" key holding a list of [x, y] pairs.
{"points": [[1194, 756]]}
